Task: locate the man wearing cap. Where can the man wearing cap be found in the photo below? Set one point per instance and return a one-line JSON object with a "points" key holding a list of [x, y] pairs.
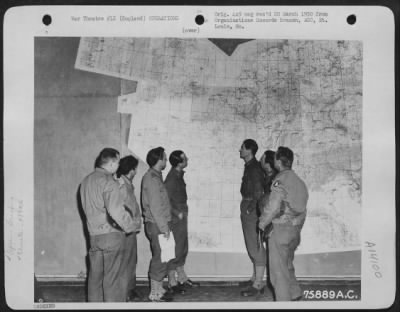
{"points": [[287, 189]]}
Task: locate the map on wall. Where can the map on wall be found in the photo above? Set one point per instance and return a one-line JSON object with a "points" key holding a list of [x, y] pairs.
{"points": [[190, 95]]}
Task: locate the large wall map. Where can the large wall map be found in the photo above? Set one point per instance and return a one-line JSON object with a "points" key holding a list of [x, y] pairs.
{"points": [[306, 95]]}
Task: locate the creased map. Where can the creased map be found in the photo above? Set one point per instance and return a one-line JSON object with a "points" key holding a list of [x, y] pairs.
{"points": [[306, 95]]}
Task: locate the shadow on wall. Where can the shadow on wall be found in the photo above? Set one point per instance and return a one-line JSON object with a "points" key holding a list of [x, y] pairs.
{"points": [[85, 232]]}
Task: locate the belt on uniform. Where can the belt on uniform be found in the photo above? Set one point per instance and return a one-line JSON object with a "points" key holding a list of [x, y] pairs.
{"points": [[287, 222], [247, 198]]}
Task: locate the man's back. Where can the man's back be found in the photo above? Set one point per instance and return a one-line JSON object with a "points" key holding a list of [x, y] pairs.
{"points": [[295, 196], [101, 200], [155, 201], [176, 188], [131, 205]]}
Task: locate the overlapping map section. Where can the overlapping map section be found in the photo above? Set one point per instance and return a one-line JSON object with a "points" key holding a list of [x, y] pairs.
{"points": [[306, 95]]}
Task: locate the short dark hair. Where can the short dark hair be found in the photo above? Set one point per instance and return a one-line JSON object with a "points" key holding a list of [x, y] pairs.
{"points": [[154, 155], [251, 144], [105, 155], [285, 155], [175, 158], [269, 158], [127, 164]]}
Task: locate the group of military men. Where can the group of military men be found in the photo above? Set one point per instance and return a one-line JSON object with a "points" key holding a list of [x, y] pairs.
{"points": [[273, 208]]}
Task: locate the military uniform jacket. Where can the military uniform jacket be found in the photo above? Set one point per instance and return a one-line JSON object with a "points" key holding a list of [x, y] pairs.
{"points": [[176, 188], [289, 189], [155, 201], [102, 203], [252, 187], [130, 202]]}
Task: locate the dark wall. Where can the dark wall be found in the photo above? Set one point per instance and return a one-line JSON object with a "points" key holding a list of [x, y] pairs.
{"points": [[75, 117]]}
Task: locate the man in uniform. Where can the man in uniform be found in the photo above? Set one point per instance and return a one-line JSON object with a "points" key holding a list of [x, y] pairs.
{"points": [[252, 189], [157, 215], [107, 223], [287, 189], [126, 172], [176, 188], [267, 163]]}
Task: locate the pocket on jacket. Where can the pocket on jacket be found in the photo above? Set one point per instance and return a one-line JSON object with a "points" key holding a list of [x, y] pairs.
{"points": [[112, 241], [244, 205]]}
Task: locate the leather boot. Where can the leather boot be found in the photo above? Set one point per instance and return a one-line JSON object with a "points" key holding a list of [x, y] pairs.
{"points": [[252, 291], [172, 278], [183, 280], [173, 286], [182, 277], [258, 281], [257, 287], [158, 293], [153, 290], [163, 293], [133, 295], [251, 280]]}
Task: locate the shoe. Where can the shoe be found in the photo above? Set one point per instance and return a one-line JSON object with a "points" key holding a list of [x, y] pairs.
{"points": [[189, 283], [134, 296], [163, 298], [251, 291], [246, 283], [177, 289], [299, 298]]}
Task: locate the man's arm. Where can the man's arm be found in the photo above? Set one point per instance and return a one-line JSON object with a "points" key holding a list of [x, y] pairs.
{"points": [[131, 205], [272, 207], [171, 189], [114, 204], [257, 183], [174, 211], [152, 190]]}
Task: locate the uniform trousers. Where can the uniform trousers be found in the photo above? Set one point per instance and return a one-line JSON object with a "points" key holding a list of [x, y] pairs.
{"points": [[106, 272], [254, 246], [283, 242], [130, 261], [180, 231], [157, 269]]}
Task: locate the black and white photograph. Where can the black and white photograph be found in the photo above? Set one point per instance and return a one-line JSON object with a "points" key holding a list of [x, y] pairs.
{"points": [[207, 169]]}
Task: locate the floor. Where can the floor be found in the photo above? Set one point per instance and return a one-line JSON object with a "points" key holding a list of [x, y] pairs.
{"points": [[207, 292]]}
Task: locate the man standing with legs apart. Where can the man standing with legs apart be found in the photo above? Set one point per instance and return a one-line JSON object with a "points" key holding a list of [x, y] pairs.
{"points": [[252, 189], [107, 222], [289, 189], [176, 188], [126, 173], [157, 215]]}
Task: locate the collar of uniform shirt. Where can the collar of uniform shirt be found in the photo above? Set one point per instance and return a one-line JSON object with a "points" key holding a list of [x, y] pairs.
{"points": [[179, 173], [126, 180], [103, 170], [250, 162], [157, 172]]}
